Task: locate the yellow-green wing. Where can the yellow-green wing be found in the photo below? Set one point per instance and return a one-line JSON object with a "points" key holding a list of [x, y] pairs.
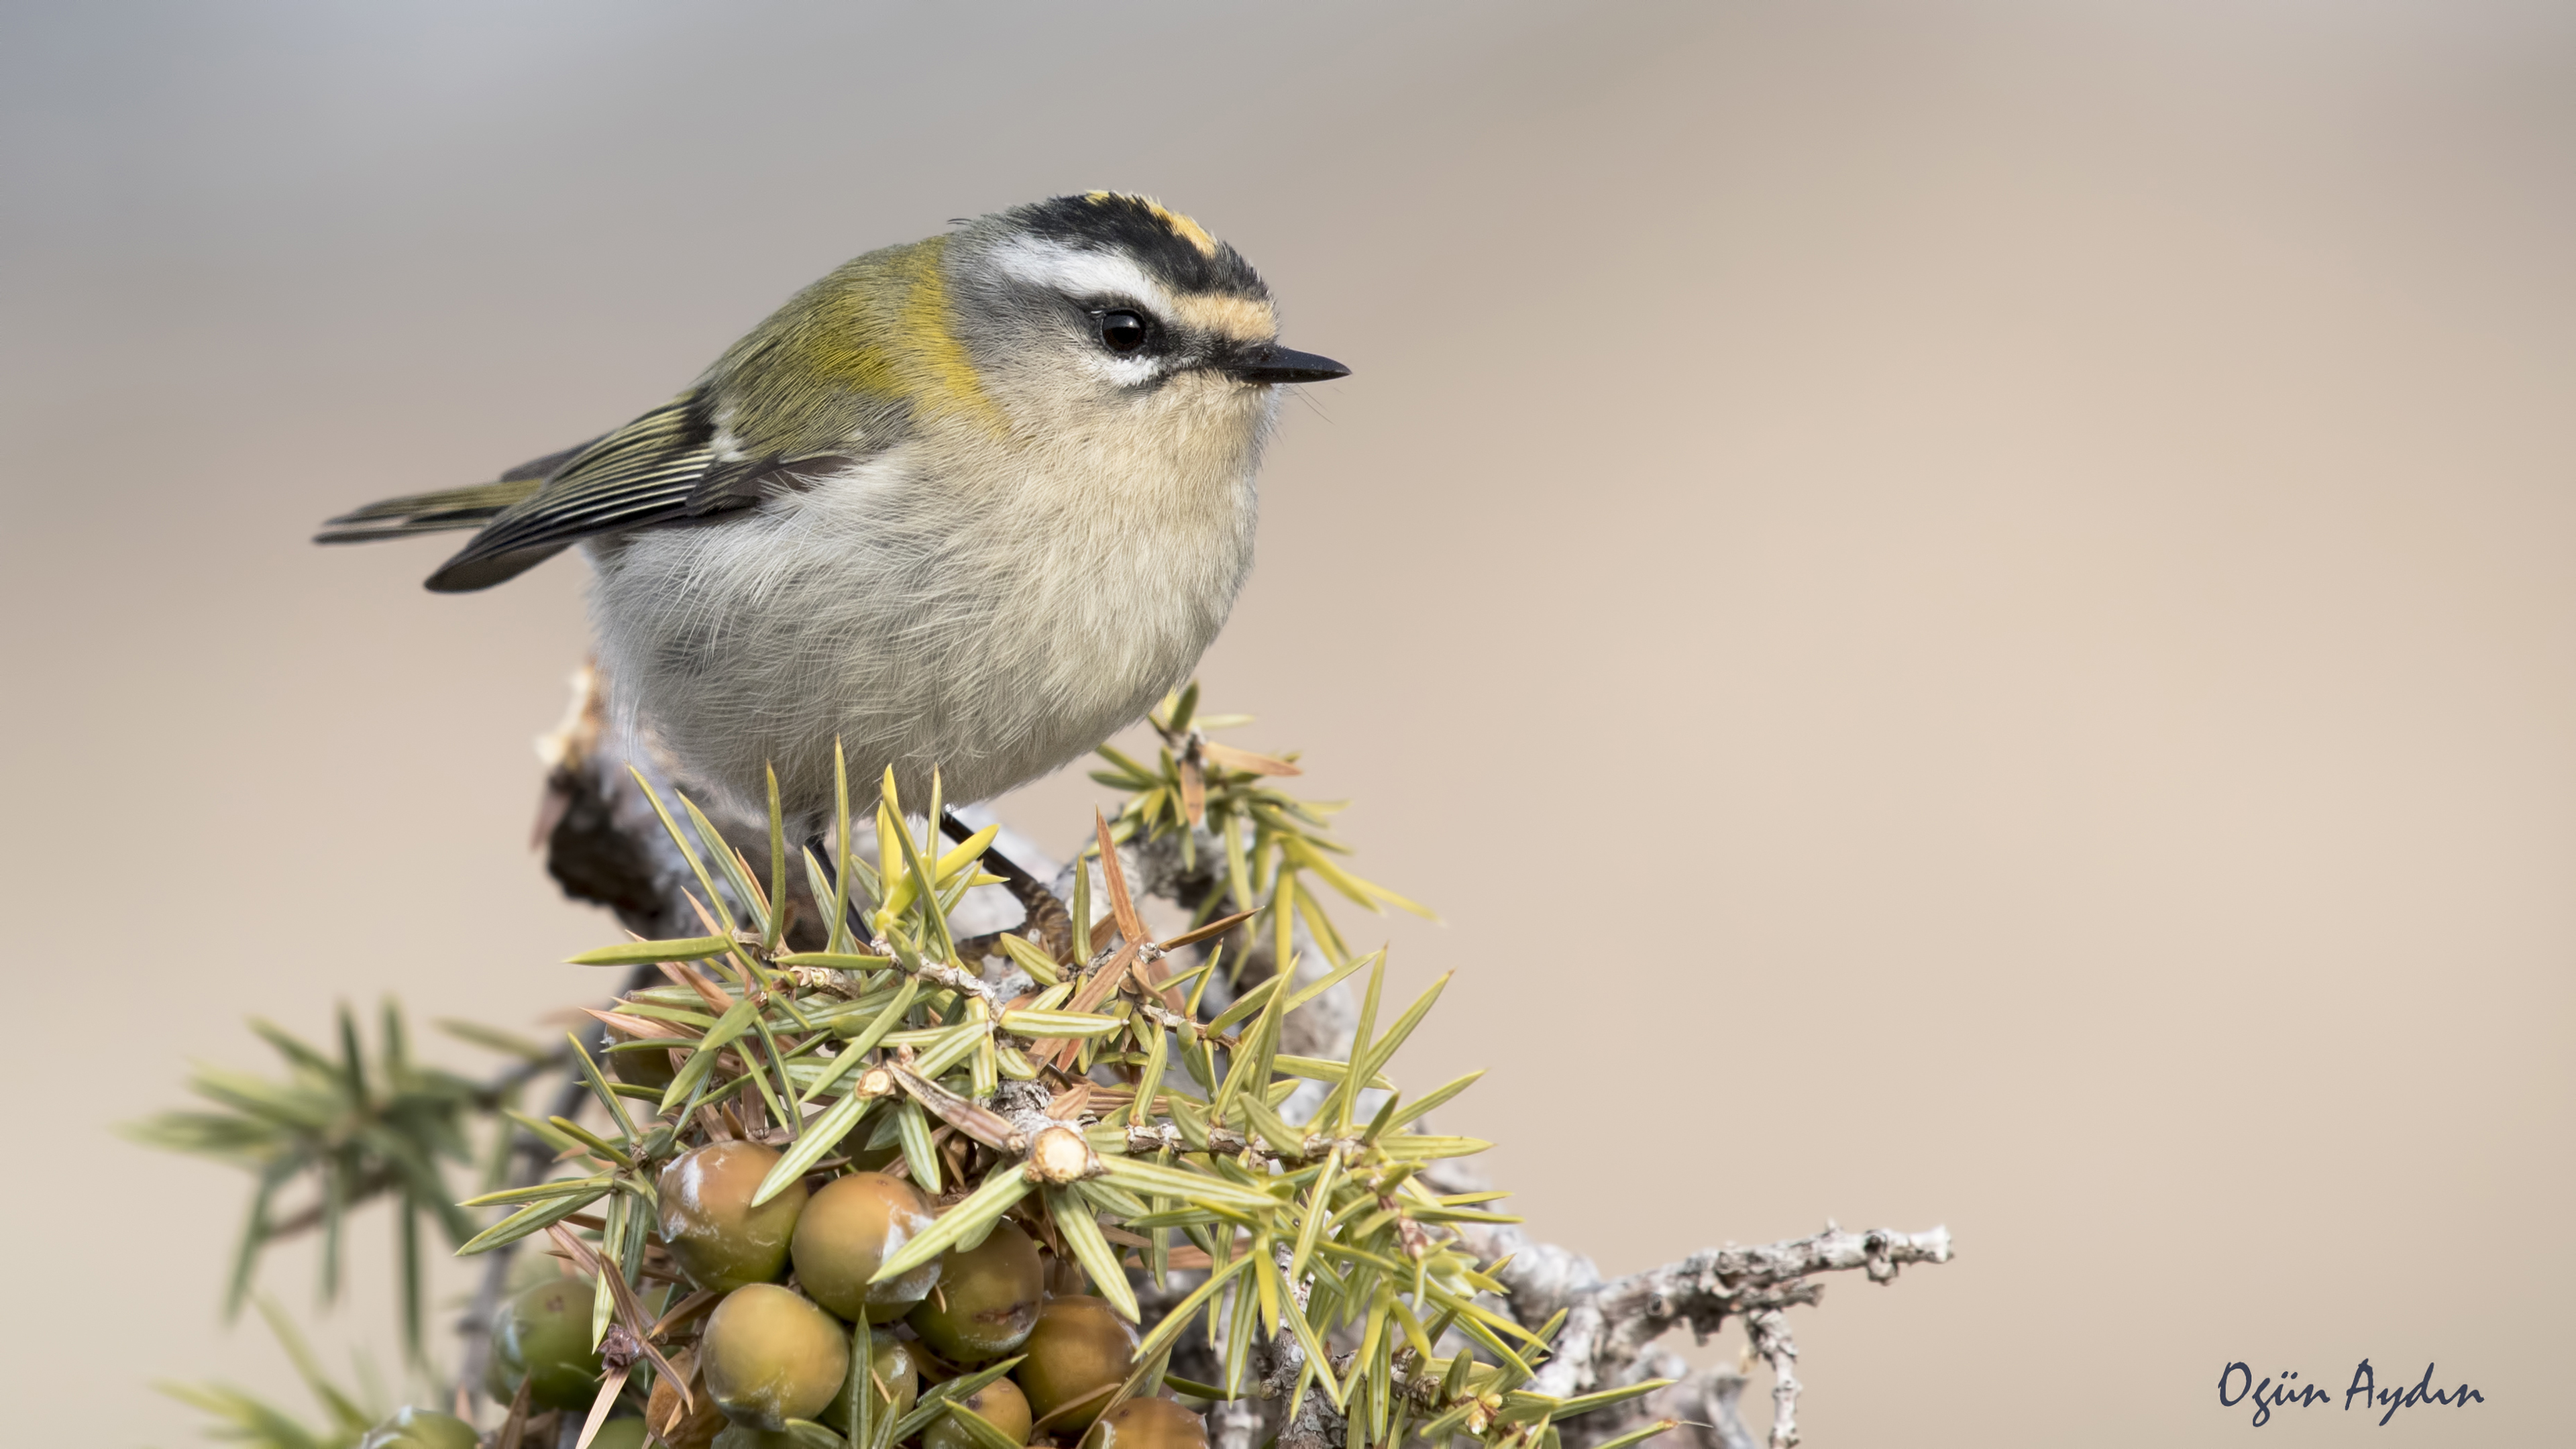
{"points": [[650, 471], [659, 469]]}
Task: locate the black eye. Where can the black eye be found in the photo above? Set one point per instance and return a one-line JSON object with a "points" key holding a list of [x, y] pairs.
{"points": [[1122, 331]]}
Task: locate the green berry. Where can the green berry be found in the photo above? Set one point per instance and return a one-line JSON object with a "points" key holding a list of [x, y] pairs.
{"points": [[986, 1300], [421, 1429], [847, 1232], [770, 1356], [1000, 1403], [707, 1221], [542, 1338], [1080, 1350]]}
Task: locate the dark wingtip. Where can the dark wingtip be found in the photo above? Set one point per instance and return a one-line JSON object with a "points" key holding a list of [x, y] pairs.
{"points": [[467, 572], [467, 578]]}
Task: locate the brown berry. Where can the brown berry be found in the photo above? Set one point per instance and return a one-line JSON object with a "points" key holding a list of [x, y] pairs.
{"points": [[691, 1427], [1148, 1424]]}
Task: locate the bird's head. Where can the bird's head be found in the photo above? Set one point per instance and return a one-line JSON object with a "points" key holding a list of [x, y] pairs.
{"points": [[1101, 320], [1108, 305]]}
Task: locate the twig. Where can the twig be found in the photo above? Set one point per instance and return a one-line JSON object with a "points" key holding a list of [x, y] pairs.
{"points": [[1610, 1327]]}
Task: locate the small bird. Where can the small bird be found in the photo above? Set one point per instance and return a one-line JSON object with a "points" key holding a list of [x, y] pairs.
{"points": [[974, 502]]}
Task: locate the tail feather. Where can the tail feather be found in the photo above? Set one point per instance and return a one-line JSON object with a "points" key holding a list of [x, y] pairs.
{"points": [[448, 508]]}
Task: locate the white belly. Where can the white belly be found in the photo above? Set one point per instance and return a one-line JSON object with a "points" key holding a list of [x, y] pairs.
{"points": [[996, 630]]}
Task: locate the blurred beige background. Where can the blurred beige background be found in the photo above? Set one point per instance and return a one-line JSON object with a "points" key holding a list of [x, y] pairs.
{"points": [[2036, 539]]}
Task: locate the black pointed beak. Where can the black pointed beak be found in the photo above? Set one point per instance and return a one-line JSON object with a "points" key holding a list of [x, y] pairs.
{"points": [[1272, 363]]}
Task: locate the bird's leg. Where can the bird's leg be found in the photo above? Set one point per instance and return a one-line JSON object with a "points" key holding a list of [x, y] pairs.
{"points": [[1050, 924]]}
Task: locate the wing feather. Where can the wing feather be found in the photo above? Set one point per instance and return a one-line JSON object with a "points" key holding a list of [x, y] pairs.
{"points": [[645, 473], [659, 469]]}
